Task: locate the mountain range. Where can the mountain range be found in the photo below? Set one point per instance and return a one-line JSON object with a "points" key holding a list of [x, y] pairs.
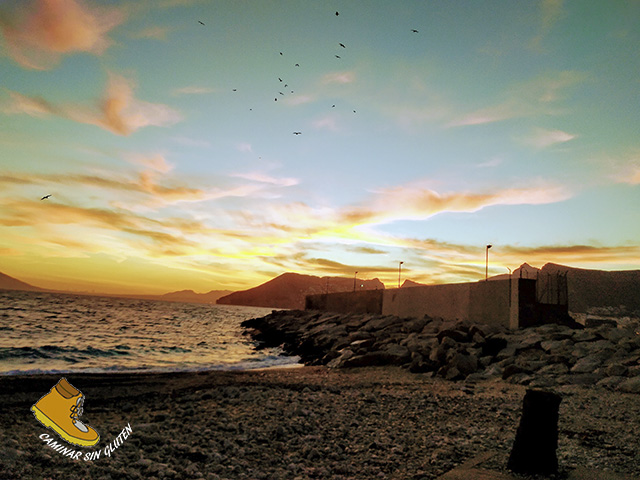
{"points": [[588, 290], [289, 290]]}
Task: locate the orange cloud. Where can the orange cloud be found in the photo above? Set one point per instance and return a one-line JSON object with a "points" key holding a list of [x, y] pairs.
{"points": [[414, 202], [40, 32], [119, 112]]}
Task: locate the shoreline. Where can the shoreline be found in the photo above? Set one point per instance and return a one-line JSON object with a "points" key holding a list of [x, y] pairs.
{"points": [[308, 422]]}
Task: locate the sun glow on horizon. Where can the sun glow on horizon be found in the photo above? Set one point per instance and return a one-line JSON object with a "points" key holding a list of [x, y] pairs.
{"points": [[180, 155]]}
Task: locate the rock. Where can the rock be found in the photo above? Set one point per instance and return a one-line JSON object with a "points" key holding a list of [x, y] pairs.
{"points": [[361, 346], [339, 361], [610, 382], [584, 379], [584, 336], [551, 345], [511, 370], [371, 359], [457, 335], [531, 340], [616, 370], [632, 385], [398, 353], [587, 364], [419, 364], [493, 345], [438, 355], [415, 325], [448, 342], [590, 322], [464, 363], [554, 369]]}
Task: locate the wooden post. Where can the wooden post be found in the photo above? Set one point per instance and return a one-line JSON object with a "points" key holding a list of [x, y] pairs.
{"points": [[534, 450]]}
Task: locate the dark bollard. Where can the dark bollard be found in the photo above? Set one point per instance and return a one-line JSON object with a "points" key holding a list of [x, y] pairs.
{"points": [[534, 450]]}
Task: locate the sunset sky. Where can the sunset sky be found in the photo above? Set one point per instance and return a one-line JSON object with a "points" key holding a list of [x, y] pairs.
{"points": [[168, 147]]}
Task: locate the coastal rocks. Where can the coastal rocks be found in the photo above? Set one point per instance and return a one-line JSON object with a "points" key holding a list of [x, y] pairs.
{"points": [[548, 355]]}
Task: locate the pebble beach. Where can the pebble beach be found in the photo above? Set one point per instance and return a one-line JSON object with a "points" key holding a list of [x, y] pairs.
{"points": [[304, 423]]}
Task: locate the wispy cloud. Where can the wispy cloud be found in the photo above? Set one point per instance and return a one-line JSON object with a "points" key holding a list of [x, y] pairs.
{"points": [[155, 162], [39, 33], [244, 147], [327, 122], [193, 90], [536, 97], [339, 77], [152, 33], [543, 138], [264, 178], [415, 202], [491, 163], [550, 12], [629, 174], [119, 112]]}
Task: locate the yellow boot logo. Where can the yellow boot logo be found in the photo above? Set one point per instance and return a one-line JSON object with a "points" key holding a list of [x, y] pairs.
{"points": [[60, 410]]}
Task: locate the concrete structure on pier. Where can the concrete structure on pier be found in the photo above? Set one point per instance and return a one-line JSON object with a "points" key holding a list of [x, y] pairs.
{"points": [[514, 302]]}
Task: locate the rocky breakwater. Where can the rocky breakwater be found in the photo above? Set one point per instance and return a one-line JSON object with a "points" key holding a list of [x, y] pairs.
{"points": [[545, 356]]}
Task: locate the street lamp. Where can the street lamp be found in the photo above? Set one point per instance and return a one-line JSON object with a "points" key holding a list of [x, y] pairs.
{"points": [[399, 272], [486, 264], [354, 281]]}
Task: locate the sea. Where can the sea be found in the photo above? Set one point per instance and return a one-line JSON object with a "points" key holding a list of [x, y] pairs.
{"points": [[64, 333]]}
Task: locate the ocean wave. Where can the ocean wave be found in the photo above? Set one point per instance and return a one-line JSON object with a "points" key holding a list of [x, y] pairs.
{"points": [[57, 352]]}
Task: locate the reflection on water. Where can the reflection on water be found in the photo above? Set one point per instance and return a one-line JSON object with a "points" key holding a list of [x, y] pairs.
{"points": [[60, 332]]}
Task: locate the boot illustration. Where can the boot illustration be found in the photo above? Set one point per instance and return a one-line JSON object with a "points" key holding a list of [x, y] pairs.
{"points": [[59, 410]]}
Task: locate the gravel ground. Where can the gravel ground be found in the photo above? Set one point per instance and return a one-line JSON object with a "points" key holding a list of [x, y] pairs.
{"points": [[304, 423]]}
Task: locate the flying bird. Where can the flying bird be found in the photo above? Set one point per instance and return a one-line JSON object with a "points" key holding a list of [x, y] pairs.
{"points": [[337, 14], [280, 53], [200, 22], [45, 197], [297, 65], [342, 45], [297, 133], [281, 93], [414, 30], [279, 79], [333, 106], [338, 56]]}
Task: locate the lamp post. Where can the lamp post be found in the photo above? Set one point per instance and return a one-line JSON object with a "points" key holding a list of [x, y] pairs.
{"points": [[399, 272], [354, 281], [486, 263]]}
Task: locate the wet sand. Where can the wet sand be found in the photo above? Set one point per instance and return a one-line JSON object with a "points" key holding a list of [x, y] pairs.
{"points": [[302, 423]]}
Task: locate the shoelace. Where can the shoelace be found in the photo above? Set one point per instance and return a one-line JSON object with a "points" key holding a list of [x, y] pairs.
{"points": [[76, 410]]}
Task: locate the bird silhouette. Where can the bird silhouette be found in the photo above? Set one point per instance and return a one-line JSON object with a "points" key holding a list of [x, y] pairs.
{"points": [[414, 30], [333, 106], [342, 45], [279, 79], [297, 133], [297, 65], [280, 53], [200, 22], [45, 197], [338, 56], [281, 93], [275, 99], [337, 14]]}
